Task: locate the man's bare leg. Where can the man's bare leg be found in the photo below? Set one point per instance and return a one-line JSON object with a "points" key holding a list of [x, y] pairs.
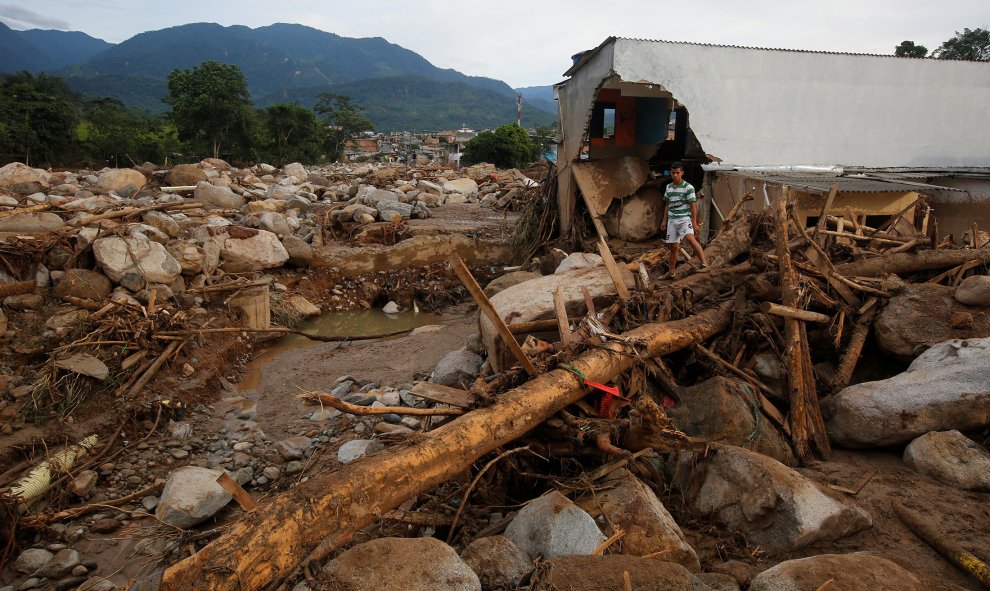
{"points": [[697, 248], [672, 257]]}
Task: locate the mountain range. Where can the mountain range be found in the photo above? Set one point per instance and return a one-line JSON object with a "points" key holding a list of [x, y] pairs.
{"points": [[282, 63]]}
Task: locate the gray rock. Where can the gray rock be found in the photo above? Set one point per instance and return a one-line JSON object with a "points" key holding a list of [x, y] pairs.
{"points": [[83, 483], [952, 458], [770, 504], [98, 584], [947, 387], [412, 564], [191, 496], [294, 467], [300, 252], [629, 504], [718, 581], [497, 561], [508, 280], [83, 284], [342, 389], [921, 315], [293, 448], [357, 448], [150, 502], [859, 571], [31, 222], [16, 172], [275, 223], [391, 308], [554, 526], [579, 260], [465, 186], [119, 256], [457, 368], [974, 291], [59, 565], [597, 573], [295, 169], [189, 256], [393, 211], [31, 560], [221, 197]]}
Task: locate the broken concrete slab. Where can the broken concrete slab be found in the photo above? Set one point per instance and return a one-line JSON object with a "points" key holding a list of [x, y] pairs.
{"points": [[84, 364], [947, 387], [772, 505]]}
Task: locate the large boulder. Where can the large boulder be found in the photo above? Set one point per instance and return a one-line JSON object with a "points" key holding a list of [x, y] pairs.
{"points": [[508, 280], [121, 180], [31, 560], [185, 175], [554, 526], [952, 458], [636, 218], [464, 186], [772, 505], [121, 256], [191, 496], [579, 260], [189, 256], [859, 571], [295, 169], [217, 196], [83, 284], [251, 250], [411, 564], [300, 252], [601, 573], [974, 291], [630, 505], [498, 562], [727, 410], [457, 369], [947, 387], [162, 222], [533, 300], [923, 314], [393, 211], [31, 222], [16, 172]]}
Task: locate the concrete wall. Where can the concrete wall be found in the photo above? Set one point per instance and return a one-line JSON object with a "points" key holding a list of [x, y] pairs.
{"points": [[773, 107], [957, 211]]}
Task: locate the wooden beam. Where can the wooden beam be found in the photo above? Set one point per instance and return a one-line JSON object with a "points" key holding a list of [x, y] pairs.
{"points": [[820, 226], [613, 270], [442, 394], [563, 324], [464, 274], [589, 302], [789, 312], [240, 495]]}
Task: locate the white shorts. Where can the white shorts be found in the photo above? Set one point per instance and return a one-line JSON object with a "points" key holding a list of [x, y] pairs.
{"points": [[678, 228]]}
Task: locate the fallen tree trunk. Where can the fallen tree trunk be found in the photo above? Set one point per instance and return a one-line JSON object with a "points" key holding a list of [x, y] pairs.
{"points": [[911, 262], [266, 545]]}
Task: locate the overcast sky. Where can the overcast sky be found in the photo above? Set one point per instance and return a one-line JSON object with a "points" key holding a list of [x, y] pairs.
{"points": [[529, 42]]}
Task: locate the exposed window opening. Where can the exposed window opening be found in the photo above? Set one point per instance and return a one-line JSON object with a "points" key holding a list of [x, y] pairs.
{"points": [[602, 121]]}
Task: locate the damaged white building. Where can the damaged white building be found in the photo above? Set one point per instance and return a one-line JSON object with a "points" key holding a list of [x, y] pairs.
{"points": [[883, 132]]}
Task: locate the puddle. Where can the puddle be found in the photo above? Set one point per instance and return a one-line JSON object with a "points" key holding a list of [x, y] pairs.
{"points": [[354, 324]]}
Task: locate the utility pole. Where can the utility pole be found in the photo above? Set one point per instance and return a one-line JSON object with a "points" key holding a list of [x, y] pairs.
{"points": [[519, 109]]}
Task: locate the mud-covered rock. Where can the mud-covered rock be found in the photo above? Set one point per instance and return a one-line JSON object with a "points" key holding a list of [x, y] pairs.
{"points": [[411, 564], [254, 250], [921, 315], [497, 561], [859, 571], [947, 387], [17, 172], [974, 291], [727, 410], [457, 368], [217, 196], [772, 505], [597, 573], [952, 458], [579, 260], [508, 280], [121, 179], [120, 256], [32, 222], [300, 252], [83, 284], [629, 504], [185, 175]]}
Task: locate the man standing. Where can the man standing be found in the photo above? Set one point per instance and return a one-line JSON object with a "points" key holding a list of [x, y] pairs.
{"points": [[680, 216]]}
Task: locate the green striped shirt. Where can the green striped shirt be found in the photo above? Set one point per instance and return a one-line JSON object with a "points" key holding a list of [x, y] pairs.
{"points": [[679, 199]]}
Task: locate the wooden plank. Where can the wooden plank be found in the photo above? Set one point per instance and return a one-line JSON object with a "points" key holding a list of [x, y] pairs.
{"points": [[442, 394], [613, 270], [563, 324], [820, 226], [589, 302], [840, 288], [464, 274], [240, 495]]}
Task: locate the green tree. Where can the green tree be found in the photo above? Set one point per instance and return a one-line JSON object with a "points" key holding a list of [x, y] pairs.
{"points": [[210, 105], [343, 118], [909, 49], [972, 45], [293, 133], [509, 146], [112, 131], [38, 117]]}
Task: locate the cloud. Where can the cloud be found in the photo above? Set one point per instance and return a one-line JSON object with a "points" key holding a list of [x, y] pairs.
{"points": [[22, 18]]}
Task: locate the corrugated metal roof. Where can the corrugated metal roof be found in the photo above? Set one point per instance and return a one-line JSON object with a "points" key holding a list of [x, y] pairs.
{"points": [[822, 183]]}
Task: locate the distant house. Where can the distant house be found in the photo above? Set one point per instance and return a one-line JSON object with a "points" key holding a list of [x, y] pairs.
{"points": [[888, 130]]}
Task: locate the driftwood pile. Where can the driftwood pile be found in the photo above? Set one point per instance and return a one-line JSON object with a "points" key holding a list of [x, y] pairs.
{"points": [[598, 392]]}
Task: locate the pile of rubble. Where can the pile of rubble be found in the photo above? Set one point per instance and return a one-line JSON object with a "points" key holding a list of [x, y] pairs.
{"points": [[603, 429]]}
